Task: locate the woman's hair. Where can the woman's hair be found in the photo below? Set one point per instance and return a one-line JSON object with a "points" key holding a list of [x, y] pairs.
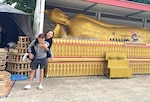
{"points": [[49, 31], [50, 41]]}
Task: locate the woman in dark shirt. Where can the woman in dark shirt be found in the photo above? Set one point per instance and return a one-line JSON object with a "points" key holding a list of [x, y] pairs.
{"points": [[49, 38]]}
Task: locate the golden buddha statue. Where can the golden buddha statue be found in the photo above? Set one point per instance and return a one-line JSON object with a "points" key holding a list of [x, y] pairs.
{"points": [[83, 26]]}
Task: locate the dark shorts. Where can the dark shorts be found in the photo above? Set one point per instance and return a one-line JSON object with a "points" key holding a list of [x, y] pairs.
{"points": [[42, 62]]}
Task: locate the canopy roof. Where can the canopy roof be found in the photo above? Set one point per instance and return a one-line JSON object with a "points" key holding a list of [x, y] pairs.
{"points": [[21, 18], [6, 8], [110, 8]]}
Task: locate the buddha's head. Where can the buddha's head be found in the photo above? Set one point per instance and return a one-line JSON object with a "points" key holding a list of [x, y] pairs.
{"points": [[57, 16]]}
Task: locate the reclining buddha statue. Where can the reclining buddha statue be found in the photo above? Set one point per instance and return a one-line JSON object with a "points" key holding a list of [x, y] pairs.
{"points": [[83, 26]]}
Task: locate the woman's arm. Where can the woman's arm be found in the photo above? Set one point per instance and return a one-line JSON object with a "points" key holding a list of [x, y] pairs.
{"points": [[30, 49], [44, 45], [30, 46]]}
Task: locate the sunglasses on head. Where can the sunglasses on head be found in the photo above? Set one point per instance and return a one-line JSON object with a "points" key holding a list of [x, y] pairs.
{"points": [[41, 37]]}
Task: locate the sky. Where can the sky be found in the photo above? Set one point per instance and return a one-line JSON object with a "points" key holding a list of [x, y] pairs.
{"points": [[1, 0], [13, 5]]}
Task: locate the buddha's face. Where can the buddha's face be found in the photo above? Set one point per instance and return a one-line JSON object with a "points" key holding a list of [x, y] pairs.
{"points": [[58, 16]]}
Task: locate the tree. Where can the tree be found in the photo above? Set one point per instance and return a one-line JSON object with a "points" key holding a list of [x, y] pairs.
{"points": [[141, 1], [27, 6]]}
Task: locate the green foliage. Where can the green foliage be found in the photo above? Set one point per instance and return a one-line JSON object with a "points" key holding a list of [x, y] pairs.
{"points": [[141, 1], [27, 6]]}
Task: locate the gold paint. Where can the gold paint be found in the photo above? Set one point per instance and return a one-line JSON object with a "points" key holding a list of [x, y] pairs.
{"points": [[83, 26]]}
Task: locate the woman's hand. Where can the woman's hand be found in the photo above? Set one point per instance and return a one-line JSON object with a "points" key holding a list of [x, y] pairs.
{"points": [[45, 46], [31, 56]]}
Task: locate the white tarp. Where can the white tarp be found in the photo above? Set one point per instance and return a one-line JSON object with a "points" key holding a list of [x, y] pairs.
{"points": [[9, 9]]}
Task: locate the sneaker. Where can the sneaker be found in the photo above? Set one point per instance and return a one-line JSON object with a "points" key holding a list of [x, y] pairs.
{"points": [[25, 57], [40, 87], [27, 87]]}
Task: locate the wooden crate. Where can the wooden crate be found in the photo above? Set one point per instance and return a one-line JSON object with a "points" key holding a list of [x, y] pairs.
{"points": [[26, 73], [2, 65], [6, 78], [22, 50], [24, 39], [15, 57], [2, 87], [15, 64], [18, 68], [22, 45], [2, 77], [3, 56], [13, 50]]}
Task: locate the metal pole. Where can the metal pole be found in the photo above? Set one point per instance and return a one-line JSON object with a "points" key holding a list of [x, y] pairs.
{"points": [[144, 22], [99, 16]]}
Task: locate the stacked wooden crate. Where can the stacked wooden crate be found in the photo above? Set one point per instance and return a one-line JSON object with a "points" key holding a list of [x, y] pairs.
{"points": [[4, 75], [15, 65], [4, 81], [3, 56]]}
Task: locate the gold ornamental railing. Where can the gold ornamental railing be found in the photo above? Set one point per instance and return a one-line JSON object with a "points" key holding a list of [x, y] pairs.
{"points": [[70, 56]]}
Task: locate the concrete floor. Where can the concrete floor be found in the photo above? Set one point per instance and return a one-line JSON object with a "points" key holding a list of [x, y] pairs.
{"points": [[83, 89]]}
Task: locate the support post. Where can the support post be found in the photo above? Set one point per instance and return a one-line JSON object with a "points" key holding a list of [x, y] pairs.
{"points": [[38, 25], [98, 16], [144, 22]]}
